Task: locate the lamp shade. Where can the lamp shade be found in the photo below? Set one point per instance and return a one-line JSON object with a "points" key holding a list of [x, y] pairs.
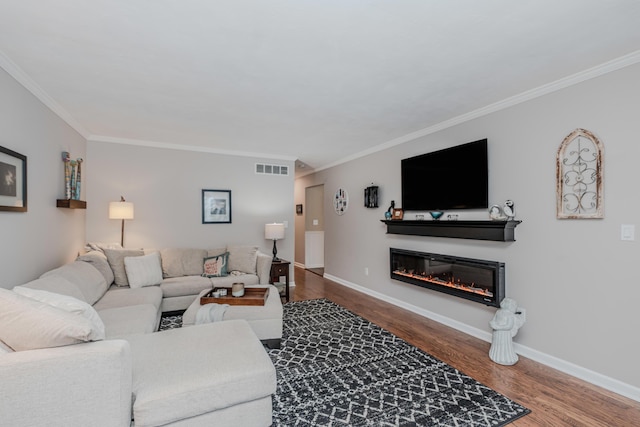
{"points": [[120, 210], [274, 231]]}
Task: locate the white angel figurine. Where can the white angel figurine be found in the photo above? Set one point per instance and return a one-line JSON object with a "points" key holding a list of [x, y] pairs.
{"points": [[505, 324]]}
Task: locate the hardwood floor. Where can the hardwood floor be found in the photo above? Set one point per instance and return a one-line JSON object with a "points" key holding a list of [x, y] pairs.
{"points": [[554, 398]]}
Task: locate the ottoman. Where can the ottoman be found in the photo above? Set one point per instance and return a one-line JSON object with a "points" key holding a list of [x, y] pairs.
{"points": [[265, 320], [216, 374]]}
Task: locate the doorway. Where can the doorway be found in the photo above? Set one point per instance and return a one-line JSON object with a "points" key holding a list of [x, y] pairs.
{"points": [[314, 229]]}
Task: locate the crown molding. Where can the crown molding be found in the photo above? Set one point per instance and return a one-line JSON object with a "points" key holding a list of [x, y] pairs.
{"points": [[591, 73], [184, 147], [21, 77]]}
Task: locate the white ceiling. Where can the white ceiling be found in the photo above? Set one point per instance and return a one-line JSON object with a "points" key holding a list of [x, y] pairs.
{"points": [[319, 81]]}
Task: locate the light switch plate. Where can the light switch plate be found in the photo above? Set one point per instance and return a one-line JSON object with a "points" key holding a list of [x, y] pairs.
{"points": [[628, 232]]}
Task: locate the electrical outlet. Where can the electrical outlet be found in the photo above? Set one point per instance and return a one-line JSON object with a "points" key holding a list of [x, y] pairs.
{"points": [[366, 271]]}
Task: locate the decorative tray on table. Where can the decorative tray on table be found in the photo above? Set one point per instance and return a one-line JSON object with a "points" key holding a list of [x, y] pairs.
{"points": [[252, 296]]}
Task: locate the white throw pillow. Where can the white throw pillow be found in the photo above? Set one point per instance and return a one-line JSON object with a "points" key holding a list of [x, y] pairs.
{"points": [[143, 270], [27, 324], [69, 304]]}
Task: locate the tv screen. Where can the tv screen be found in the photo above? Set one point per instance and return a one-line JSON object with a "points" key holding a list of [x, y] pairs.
{"points": [[453, 178]]}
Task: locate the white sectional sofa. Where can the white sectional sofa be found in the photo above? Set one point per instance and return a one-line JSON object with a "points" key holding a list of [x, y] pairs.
{"points": [[64, 364]]}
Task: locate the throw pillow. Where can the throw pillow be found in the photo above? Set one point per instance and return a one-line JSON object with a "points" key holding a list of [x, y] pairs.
{"points": [[69, 304], [243, 258], [99, 260], [216, 266], [86, 277], [116, 261], [143, 270], [27, 324]]}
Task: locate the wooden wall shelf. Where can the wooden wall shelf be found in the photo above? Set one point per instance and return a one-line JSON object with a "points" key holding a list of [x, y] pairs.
{"points": [[71, 204], [499, 231]]}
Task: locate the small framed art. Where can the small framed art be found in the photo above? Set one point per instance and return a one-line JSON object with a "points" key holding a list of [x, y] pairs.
{"points": [[397, 214], [13, 181], [216, 206]]}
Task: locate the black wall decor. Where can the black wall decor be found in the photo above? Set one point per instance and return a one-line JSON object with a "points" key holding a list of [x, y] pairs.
{"points": [[371, 197]]}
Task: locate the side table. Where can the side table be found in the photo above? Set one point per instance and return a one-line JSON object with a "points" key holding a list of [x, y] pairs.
{"points": [[281, 268]]}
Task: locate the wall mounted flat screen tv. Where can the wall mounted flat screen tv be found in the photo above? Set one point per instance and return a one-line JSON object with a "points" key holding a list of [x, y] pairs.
{"points": [[453, 178]]}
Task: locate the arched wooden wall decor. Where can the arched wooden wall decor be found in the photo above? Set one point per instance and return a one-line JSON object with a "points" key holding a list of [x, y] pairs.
{"points": [[579, 176]]}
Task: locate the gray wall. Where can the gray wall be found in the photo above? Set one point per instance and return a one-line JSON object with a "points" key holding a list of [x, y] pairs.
{"points": [[166, 186], [576, 278], [45, 236]]}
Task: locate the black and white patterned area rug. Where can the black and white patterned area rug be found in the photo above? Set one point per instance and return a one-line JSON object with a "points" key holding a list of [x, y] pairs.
{"points": [[337, 369]]}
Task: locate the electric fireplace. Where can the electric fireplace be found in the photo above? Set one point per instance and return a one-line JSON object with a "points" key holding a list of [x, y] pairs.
{"points": [[473, 279]]}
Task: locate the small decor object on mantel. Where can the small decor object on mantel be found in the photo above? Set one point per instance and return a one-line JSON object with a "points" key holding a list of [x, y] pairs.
{"points": [[496, 214], [388, 214], [579, 176], [13, 181], [436, 215], [341, 201], [509, 209], [398, 213], [505, 324]]}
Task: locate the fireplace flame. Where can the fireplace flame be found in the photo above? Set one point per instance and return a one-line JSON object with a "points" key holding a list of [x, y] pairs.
{"points": [[453, 283]]}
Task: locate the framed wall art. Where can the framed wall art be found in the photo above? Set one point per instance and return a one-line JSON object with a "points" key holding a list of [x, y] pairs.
{"points": [[579, 177], [341, 201], [13, 181], [216, 206]]}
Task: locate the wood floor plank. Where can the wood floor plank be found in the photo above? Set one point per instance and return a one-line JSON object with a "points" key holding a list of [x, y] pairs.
{"points": [[554, 398]]}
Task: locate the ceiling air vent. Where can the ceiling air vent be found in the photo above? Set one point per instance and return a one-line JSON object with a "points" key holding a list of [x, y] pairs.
{"points": [[264, 169]]}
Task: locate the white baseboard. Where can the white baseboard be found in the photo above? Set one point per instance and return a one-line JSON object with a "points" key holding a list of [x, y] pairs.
{"points": [[584, 374]]}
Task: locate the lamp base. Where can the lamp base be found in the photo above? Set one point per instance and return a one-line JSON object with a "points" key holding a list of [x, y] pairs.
{"points": [[275, 251]]}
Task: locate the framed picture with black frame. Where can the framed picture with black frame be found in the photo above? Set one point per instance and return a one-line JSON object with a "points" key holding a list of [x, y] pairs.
{"points": [[13, 181], [216, 206]]}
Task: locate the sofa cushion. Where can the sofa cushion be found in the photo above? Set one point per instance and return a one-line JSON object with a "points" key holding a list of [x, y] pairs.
{"points": [[99, 260], [27, 324], [227, 366], [69, 304], [57, 284], [116, 261], [89, 280], [216, 266], [134, 319], [243, 258], [143, 270], [122, 297], [185, 285], [178, 262]]}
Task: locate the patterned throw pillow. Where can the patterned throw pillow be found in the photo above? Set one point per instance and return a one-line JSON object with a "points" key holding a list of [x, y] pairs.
{"points": [[216, 266]]}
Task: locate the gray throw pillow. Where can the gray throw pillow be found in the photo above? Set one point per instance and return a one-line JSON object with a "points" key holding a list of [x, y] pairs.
{"points": [[243, 258], [116, 261], [99, 260]]}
